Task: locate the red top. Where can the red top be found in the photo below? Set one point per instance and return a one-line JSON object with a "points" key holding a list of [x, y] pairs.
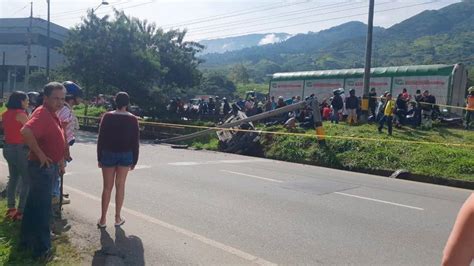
{"points": [[12, 127], [48, 133], [326, 113], [118, 132], [470, 103], [406, 96]]}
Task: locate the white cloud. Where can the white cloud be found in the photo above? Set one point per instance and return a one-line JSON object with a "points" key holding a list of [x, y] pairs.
{"points": [[269, 39]]}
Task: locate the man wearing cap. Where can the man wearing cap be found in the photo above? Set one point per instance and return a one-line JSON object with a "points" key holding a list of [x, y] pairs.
{"points": [[469, 107], [352, 105], [337, 105], [70, 124], [373, 102], [427, 102], [388, 111]]}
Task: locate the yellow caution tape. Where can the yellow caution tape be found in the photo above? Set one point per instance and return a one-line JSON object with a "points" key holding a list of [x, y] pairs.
{"points": [[319, 134]]}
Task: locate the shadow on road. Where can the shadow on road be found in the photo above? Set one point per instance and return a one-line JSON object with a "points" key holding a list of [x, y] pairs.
{"points": [[126, 250]]}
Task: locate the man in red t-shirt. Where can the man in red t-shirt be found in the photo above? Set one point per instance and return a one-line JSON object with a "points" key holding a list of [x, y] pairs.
{"points": [[45, 137]]}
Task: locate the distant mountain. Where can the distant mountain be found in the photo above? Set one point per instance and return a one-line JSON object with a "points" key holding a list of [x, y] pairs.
{"points": [[301, 43], [437, 36], [453, 18], [237, 43]]}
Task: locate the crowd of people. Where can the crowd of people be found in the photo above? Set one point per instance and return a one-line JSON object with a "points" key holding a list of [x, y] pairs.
{"points": [[213, 108], [404, 109], [39, 130]]}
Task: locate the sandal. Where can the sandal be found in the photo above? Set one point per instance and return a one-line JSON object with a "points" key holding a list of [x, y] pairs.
{"points": [[122, 221], [100, 226]]}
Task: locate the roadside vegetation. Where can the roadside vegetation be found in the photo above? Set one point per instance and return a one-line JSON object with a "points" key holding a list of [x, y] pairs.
{"points": [[93, 111], [243, 88], [64, 252], [369, 150]]}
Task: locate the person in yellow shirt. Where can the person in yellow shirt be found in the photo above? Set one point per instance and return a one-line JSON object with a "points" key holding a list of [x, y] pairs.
{"points": [[388, 111], [469, 107]]}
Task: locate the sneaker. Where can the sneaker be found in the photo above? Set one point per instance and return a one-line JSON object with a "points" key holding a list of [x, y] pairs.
{"points": [[66, 201]]}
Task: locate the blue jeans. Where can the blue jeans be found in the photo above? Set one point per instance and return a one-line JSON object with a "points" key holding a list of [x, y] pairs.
{"points": [[35, 231], [389, 120], [56, 190], [17, 158], [335, 116]]}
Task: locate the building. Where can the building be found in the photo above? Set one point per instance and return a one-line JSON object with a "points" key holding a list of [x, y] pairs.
{"points": [[14, 40]]}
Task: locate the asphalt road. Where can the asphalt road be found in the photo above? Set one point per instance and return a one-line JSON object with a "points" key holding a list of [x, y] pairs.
{"points": [[199, 207]]}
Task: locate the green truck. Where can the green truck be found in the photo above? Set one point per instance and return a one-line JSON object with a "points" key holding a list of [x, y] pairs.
{"points": [[448, 83]]}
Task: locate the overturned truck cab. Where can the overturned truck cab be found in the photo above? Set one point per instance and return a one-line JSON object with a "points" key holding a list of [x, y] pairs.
{"points": [[238, 134]]}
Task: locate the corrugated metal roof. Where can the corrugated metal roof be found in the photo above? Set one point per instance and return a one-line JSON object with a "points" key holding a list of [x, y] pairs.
{"points": [[20, 25], [421, 70]]}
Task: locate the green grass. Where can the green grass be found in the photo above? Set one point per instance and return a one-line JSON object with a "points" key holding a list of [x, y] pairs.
{"points": [[64, 252], [242, 89], [434, 159], [91, 110]]}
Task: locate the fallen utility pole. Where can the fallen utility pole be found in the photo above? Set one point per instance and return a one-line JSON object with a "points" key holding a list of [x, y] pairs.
{"points": [[311, 103]]}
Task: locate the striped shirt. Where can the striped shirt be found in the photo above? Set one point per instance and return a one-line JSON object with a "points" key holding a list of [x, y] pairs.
{"points": [[68, 121]]}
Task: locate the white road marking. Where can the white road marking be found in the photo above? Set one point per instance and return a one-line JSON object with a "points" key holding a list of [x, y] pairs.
{"points": [[254, 176], [203, 239], [381, 201], [99, 171], [138, 167], [217, 162]]}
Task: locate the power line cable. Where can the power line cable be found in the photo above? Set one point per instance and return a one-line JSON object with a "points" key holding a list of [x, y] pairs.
{"points": [[283, 14], [284, 20], [19, 10], [82, 10], [216, 16], [103, 13], [311, 22], [236, 15]]}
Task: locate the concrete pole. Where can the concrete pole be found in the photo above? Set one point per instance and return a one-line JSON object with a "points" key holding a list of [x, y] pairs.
{"points": [[368, 59], [3, 69], [48, 43], [28, 55]]}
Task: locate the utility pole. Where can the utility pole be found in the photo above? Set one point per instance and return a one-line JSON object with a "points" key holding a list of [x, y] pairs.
{"points": [[368, 59], [48, 43], [3, 74], [28, 56]]}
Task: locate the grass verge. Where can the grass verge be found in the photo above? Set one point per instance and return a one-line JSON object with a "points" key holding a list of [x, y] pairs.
{"points": [[375, 152], [94, 111], [64, 252]]}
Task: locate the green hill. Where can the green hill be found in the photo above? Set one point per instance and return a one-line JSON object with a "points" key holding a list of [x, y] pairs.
{"points": [[431, 37]]}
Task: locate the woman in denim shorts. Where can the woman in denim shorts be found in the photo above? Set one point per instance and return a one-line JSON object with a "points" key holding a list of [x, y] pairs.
{"points": [[117, 153]]}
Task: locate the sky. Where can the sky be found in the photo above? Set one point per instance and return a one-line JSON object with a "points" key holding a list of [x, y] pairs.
{"points": [[205, 19]]}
